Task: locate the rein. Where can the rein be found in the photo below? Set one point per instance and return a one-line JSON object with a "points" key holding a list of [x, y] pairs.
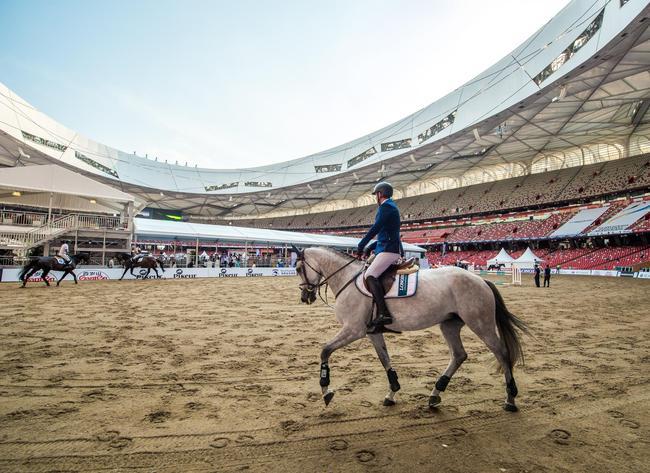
{"points": [[313, 287]]}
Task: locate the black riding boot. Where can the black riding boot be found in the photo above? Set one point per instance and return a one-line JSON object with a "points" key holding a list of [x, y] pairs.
{"points": [[383, 316]]}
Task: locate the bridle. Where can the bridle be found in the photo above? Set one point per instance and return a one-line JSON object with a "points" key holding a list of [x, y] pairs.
{"points": [[311, 288]]}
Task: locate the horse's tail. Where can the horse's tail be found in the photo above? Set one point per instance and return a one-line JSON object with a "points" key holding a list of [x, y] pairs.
{"points": [[509, 327], [26, 268]]}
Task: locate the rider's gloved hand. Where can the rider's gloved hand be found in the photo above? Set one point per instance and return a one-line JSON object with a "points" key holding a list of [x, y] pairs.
{"points": [[359, 254]]}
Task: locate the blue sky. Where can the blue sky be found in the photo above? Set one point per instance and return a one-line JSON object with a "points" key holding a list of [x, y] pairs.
{"points": [[245, 83]]}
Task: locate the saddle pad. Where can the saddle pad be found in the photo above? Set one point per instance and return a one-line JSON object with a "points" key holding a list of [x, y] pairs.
{"points": [[60, 260], [405, 285]]}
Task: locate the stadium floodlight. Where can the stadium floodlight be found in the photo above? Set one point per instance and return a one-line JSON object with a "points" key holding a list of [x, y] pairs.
{"points": [[22, 154], [413, 158], [309, 187], [356, 178]]}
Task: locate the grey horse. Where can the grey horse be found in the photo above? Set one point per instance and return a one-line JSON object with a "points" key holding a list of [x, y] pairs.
{"points": [[451, 297]]}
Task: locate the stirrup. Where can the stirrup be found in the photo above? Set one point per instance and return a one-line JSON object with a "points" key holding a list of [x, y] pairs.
{"points": [[383, 320]]}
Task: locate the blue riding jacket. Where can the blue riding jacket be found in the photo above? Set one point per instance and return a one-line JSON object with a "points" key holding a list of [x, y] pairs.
{"points": [[386, 227]]}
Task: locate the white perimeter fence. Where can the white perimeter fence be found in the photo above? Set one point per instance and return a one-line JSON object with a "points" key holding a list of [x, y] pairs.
{"points": [[101, 274]]}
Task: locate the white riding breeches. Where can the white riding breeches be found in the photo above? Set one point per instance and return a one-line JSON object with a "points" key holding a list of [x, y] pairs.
{"points": [[381, 263]]}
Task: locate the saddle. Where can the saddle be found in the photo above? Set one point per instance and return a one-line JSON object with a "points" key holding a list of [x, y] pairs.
{"points": [[405, 271]]}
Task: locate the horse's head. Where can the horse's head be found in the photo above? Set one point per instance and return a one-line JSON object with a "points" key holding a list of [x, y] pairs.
{"points": [[309, 275]]}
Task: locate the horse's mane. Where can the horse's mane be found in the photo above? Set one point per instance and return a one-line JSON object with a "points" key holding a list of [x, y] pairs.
{"points": [[336, 251]]}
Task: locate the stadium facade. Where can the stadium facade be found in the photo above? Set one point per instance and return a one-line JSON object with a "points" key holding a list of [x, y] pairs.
{"points": [[576, 92]]}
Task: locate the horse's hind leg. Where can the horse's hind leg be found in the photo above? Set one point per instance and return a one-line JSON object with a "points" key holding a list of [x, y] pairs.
{"points": [[499, 349], [378, 342], [345, 336], [496, 346], [451, 331]]}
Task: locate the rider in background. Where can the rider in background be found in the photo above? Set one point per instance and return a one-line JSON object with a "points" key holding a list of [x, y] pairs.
{"points": [[137, 254], [387, 249], [63, 252]]}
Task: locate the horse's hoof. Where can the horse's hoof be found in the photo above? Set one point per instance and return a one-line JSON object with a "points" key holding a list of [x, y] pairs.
{"points": [[510, 407], [434, 401], [328, 397], [388, 402]]}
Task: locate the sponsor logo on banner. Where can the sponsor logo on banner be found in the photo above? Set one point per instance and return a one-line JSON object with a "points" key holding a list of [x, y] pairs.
{"points": [[223, 273], [92, 275], [141, 275], [251, 274], [36, 277], [180, 275]]}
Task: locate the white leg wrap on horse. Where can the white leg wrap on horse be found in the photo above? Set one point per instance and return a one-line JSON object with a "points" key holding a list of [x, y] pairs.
{"points": [[391, 395], [325, 390]]}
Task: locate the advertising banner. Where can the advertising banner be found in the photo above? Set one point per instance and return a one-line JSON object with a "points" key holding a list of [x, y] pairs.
{"points": [[101, 274], [604, 272]]}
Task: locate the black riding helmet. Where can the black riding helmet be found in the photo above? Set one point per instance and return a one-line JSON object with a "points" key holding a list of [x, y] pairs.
{"points": [[385, 188]]}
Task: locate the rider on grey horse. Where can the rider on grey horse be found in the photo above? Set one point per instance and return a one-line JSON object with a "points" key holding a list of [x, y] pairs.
{"points": [[387, 249]]}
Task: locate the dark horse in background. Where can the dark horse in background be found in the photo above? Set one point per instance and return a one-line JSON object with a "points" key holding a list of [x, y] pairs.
{"points": [[147, 262], [52, 263]]}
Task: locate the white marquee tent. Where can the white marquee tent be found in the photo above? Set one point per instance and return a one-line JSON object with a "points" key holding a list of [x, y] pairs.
{"points": [[502, 258], [527, 260]]}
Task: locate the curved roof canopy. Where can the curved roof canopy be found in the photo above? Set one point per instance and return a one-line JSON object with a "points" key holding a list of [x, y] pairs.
{"points": [[582, 78]]}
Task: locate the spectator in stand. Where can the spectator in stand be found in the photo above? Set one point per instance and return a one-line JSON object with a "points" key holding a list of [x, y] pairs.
{"points": [[537, 274], [111, 263], [547, 276]]}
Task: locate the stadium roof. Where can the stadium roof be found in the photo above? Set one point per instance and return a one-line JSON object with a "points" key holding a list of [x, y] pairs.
{"points": [[147, 228], [583, 78]]}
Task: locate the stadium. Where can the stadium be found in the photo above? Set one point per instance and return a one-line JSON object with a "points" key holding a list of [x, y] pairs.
{"points": [[541, 160]]}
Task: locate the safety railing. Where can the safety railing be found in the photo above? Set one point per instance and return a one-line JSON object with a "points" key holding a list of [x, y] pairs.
{"points": [[90, 222]]}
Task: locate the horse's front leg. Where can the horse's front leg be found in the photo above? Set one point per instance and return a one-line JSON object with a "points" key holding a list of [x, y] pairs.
{"points": [[65, 273], [157, 275], [74, 276], [346, 335], [125, 270], [28, 275], [44, 276], [147, 275], [378, 342]]}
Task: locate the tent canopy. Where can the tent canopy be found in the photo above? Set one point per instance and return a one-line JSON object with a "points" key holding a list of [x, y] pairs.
{"points": [[502, 258], [152, 229], [528, 258]]}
